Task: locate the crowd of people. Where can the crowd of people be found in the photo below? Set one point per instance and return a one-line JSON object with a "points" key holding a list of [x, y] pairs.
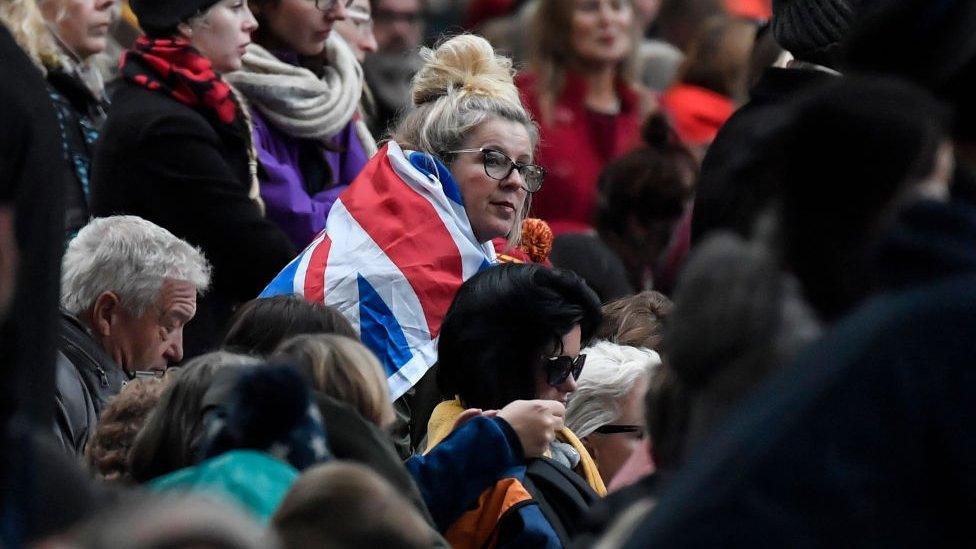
{"points": [[487, 273]]}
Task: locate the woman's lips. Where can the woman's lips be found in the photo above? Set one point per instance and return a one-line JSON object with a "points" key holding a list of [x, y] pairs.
{"points": [[506, 205]]}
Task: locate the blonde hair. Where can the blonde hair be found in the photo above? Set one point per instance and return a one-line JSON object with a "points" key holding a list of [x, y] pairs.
{"points": [[344, 369], [462, 83], [551, 51], [26, 24]]}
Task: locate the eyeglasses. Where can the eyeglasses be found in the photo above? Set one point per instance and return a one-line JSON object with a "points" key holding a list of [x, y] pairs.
{"points": [[329, 5], [559, 368], [499, 166], [615, 429]]}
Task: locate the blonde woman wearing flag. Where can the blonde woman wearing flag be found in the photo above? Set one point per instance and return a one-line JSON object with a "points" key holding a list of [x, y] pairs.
{"points": [[419, 219]]}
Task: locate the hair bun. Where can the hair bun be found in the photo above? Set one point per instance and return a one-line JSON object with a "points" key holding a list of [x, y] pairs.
{"points": [[466, 65]]}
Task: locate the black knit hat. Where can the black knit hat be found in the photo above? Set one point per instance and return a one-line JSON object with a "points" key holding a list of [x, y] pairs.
{"points": [[812, 30], [160, 17]]}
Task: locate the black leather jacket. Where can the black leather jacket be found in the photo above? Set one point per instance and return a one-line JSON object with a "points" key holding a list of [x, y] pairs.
{"points": [[85, 379]]}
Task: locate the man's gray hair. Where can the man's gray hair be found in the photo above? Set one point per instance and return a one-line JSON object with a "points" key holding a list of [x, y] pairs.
{"points": [[130, 257], [610, 373]]}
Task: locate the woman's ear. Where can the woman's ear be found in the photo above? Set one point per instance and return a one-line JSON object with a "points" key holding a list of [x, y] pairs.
{"points": [[185, 30]]}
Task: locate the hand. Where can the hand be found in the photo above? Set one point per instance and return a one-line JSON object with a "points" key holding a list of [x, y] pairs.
{"points": [[535, 422], [469, 414]]}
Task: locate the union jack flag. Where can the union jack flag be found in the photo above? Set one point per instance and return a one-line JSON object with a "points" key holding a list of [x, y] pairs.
{"points": [[396, 247]]}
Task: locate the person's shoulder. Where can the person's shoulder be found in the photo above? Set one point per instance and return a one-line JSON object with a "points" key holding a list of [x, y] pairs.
{"points": [[143, 113]]}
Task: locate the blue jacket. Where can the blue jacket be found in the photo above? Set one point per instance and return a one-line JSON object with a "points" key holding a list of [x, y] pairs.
{"points": [[472, 484]]}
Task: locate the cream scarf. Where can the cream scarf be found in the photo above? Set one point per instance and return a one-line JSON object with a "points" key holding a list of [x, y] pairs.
{"points": [[297, 102]]}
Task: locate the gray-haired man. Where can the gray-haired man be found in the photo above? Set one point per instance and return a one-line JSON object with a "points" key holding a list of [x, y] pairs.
{"points": [[128, 287]]}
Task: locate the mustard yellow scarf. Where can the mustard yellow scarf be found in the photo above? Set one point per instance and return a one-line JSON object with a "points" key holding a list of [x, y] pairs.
{"points": [[442, 421]]}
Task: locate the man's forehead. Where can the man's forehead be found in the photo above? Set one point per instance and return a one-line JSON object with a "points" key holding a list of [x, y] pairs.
{"points": [[400, 5]]}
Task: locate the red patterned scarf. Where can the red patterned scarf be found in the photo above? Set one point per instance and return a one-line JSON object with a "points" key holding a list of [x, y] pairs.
{"points": [[176, 68]]}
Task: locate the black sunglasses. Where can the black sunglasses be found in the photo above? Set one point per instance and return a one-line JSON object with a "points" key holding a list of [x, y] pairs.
{"points": [[558, 368], [614, 429]]}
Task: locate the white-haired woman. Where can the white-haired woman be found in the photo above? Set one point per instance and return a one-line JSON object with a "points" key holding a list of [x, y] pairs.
{"points": [[607, 409]]}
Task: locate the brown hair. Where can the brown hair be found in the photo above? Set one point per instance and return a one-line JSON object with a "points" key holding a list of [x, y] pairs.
{"points": [[636, 321], [107, 452], [344, 369], [718, 59], [347, 505], [551, 50]]}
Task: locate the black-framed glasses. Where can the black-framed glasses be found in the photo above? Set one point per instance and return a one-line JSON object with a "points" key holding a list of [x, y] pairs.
{"points": [[559, 368], [329, 5], [499, 166], [616, 429]]}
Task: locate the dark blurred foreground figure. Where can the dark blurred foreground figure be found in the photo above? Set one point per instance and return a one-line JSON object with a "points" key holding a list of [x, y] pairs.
{"points": [[736, 318], [153, 522], [866, 439], [736, 183], [41, 491], [344, 505], [931, 44], [888, 144]]}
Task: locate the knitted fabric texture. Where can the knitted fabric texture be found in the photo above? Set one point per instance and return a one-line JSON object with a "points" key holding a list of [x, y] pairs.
{"points": [[811, 29], [299, 103]]}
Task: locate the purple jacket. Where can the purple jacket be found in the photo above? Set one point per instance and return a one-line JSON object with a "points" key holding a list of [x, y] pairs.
{"points": [[289, 205]]}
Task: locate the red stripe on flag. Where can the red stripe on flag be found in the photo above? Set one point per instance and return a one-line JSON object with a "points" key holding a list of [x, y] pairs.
{"points": [[410, 232], [315, 274]]}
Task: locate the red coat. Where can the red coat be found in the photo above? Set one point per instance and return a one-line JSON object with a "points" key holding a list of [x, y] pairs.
{"points": [[573, 150]]}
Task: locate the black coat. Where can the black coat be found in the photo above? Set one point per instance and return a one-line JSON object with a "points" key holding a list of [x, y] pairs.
{"points": [[737, 179], [164, 161], [32, 181], [868, 440]]}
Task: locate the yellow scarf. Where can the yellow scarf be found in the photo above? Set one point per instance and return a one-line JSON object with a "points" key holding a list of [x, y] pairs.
{"points": [[442, 422]]}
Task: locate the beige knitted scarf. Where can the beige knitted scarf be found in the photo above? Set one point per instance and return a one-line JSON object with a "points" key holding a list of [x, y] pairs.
{"points": [[297, 102]]}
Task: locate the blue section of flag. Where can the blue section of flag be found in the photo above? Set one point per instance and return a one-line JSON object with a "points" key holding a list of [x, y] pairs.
{"points": [[427, 164], [284, 283], [379, 329], [485, 265]]}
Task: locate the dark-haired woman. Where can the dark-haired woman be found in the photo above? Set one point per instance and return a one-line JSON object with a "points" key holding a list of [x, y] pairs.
{"points": [[527, 324], [176, 150]]}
